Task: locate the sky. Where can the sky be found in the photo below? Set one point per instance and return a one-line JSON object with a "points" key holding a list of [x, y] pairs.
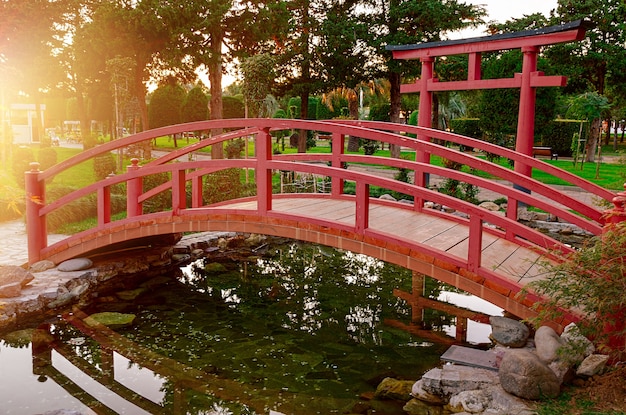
{"points": [[503, 10]]}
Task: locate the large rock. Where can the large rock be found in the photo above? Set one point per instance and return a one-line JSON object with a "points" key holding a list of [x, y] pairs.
{"points": [[508, 332], [417, 407], [452, 379], [417, 391], [470, 401], [76, 264], [592, 365], [399, 390], [575, 346], [12, 280], [523, 374], [547, 344]]}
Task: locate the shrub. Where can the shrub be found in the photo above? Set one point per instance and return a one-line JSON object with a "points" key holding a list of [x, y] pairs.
{"points": [[225, 185], [80, 209], [104, 164], [22, 157], [590, 280], [558, 135], [380, 112], [47, 158]]}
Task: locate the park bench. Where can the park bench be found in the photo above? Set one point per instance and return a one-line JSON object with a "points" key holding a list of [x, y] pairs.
{"points": [[545, 151]]}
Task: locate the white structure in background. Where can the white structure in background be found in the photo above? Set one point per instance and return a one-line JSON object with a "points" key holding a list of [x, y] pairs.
{"points": [[25, 124]]}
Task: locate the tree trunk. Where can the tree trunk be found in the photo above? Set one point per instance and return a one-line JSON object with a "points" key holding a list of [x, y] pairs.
{"points": [[143, 110], [396, 107], [304, 114], [594, 138], [215, 79]]}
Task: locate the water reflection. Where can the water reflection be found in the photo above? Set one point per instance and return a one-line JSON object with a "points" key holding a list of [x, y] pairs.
{"points": [[297, 329]]}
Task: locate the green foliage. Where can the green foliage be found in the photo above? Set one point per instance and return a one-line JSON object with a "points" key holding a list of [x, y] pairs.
{"points": [[258, 78], [293, 107], [47, 158], [559, 136], [325, 112], [235, 148], [104, 164], [166, 105], [22, 157], [233, 107], [161, 201], [460, 190], [380, 112], [469, 127], [591, 281], [195, 106], [225, 185], [80, 209]]}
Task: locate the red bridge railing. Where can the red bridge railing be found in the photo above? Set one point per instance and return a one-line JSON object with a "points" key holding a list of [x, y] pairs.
{"points": [[332, 165]]}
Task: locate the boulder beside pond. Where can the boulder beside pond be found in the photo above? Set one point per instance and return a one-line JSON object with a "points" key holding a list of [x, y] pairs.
{"points": [[12, 280]]}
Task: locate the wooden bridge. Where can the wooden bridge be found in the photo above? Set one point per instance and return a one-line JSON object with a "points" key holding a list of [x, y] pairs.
{"points": [[489, 254]]}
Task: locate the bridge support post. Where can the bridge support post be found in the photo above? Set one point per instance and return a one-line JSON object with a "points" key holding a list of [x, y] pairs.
{"points": [[362, 206], [104, 205], [338, 146], [35, 223], [264, 175], [134, 188]]}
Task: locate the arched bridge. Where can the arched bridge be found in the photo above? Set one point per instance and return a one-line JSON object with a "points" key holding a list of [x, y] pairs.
{"points": [[489, 254]]}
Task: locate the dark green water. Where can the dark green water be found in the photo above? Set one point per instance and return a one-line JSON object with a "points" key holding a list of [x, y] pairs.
{"points": [[300, 329]]}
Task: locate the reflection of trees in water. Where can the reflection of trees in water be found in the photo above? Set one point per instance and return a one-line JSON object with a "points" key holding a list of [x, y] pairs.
{"points": [[238, 321], [311, 288]]}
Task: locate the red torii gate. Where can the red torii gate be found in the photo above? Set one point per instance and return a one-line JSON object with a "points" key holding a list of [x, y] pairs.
{"points": [[529, 41]]}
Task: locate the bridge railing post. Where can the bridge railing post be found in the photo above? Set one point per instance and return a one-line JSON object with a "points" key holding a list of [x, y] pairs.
{"points": [[264, 175], [35, 223], [134, 189], [338, 147], [196, 192], [179, 193], [475, 243], [362, 206], [104, 204], [617, 213]]}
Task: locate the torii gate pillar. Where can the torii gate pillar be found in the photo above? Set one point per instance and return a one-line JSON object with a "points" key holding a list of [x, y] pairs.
{"points": [[526, 115]]}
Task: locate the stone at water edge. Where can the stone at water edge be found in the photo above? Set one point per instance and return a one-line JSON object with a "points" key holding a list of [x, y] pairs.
{"points": [[523, 374], [110, 319], [41, 266], [470, 401], [452, 379], [76, 264], [12, 280], [508, 332], [390, 388]]}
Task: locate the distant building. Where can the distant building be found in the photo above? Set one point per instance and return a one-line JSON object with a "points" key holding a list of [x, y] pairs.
{"points": [[25, 125]]}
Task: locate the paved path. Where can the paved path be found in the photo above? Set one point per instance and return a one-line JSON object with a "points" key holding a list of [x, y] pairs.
{"points": [[14, 244]]}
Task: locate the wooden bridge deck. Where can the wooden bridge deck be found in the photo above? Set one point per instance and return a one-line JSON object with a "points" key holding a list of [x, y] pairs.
{"points": [[516, 263]]}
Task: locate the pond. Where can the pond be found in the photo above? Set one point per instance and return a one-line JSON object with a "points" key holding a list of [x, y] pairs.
{"points": [[295, 329]]}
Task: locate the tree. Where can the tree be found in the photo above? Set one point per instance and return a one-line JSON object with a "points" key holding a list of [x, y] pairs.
{"points": [[207, 34], [258, 82], [589, 106], [401, 22], [166, 104], [598, 63], [27, 42], [195, 106]]}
